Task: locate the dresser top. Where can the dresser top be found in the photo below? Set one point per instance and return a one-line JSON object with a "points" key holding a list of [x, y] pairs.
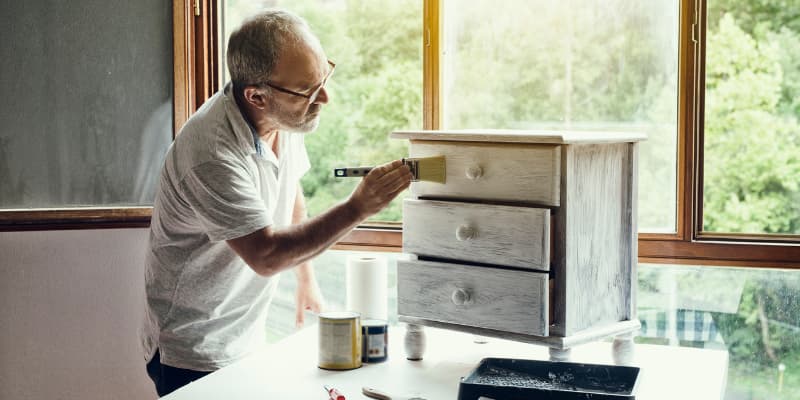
{"points": [[522, 136]]}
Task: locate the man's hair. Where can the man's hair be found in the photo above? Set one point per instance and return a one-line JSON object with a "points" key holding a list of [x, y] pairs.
{"points": [[254, 48]]}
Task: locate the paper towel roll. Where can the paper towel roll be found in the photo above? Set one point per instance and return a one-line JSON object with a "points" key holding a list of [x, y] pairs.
{"points": [[366, 282]]}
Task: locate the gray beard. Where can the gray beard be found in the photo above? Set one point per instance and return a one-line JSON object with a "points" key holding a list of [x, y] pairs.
{"points": [[287, 122]]}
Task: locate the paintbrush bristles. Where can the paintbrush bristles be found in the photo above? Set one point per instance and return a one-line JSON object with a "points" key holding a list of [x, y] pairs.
{"points": [[429, 169]]}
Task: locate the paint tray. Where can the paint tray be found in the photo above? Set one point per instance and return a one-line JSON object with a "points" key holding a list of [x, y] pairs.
{"points": [[515, 379]]}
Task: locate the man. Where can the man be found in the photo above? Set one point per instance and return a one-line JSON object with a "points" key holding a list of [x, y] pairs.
{"points": [[229, 212]]}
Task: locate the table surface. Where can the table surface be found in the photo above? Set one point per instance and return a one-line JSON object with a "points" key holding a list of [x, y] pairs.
{"points": [[288, 369]]}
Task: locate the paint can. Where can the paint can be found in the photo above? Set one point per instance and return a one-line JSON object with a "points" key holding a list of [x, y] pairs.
{"points": [[375, 339], [339, 340]]}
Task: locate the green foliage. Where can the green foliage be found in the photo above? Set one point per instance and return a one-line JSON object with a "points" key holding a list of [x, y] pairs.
{"points": [[377, 89], [752, 148]]}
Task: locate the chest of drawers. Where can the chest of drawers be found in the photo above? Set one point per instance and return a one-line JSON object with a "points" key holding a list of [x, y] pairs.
{"points": [[532, 237]]}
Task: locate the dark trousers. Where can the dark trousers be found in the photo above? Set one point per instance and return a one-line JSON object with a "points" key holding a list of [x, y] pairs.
{"points": [[169, 379]]}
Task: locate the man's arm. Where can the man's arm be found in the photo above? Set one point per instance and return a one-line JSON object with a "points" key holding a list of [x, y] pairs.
{"points": [[270, 251]]}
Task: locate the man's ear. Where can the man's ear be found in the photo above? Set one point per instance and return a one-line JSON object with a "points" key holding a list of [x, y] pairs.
{"points": [[255, 97]]}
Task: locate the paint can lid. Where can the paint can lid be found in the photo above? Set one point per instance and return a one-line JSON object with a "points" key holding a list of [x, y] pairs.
{"points": [[339, 315]]}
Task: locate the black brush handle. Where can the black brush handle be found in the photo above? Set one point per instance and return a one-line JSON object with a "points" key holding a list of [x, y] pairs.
{"points": [[351, 172]]}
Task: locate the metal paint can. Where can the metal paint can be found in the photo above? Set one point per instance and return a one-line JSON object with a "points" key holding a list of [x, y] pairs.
{"points": [[339, 340], [375, 339]]}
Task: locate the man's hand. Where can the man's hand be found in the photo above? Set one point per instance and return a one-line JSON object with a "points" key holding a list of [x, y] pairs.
{"points": [[380, 187], [307, 295]]}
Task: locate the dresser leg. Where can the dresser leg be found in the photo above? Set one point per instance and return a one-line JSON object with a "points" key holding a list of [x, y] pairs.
{"points": [[415, 342], [622, 349], [560, 354]]}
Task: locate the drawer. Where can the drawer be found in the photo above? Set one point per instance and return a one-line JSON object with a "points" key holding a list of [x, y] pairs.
{"points": [[493, 171], [483, 297], [494, 234]]}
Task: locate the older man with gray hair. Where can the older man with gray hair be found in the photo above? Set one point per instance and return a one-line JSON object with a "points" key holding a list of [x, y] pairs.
{"points": [[229, 213]]}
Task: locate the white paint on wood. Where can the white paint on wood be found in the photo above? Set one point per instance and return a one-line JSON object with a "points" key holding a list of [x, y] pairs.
{"points": [[522, 136], [507, 300], [493, 171], [502, 235], [593, 265], [630, 227], [588, 182]]}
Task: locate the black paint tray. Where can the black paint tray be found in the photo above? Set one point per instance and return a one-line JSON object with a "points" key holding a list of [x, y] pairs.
{"points": [[515, 379]]}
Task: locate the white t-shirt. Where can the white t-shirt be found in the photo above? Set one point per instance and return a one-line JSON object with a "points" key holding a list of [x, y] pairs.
{"points": [[206, 308]]}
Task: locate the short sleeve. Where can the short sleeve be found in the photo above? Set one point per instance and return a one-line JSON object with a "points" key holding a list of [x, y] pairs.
{"points": [[225, 199]]}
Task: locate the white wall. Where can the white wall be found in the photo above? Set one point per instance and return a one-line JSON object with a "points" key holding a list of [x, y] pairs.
{"points": [[70, 307]]}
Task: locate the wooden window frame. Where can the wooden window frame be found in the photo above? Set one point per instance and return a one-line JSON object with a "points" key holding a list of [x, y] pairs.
{"points": [[689, 244], [195, 79]]}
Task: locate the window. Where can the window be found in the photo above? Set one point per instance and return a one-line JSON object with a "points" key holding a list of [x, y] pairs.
{"points": [[592, 65], [751, 140], [89, 115], [752, 314]]}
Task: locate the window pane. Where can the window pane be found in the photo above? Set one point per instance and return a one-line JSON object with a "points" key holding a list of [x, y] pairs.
{"points": [[579, 64], [330, 268], [377, 87], [753, 314], [752, 105], [86, 114]]}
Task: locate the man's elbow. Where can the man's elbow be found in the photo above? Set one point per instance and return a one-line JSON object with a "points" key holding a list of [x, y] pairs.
{"points": [[264, 253], [269, 264]]}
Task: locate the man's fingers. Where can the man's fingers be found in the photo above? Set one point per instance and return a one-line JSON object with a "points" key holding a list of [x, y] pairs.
{"points": [[394, 177], [397, 177], [399, 171], [393, 192], [383, 169]]}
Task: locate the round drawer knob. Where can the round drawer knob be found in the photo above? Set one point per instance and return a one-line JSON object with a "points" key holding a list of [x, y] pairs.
{"points": [[474, 172], [465, 232], [461, 297]]}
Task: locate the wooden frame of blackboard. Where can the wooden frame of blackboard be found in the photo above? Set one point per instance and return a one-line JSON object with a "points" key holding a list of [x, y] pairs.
{"points": [[195, 79]]}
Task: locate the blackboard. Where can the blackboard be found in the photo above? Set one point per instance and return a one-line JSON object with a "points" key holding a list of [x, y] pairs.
{"points": [[86, 111]]}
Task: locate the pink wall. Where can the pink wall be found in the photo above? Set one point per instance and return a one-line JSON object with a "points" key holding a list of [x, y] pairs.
{"points": [[70, 306]]}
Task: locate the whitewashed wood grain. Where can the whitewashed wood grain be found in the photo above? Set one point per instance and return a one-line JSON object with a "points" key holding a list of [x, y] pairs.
{"points": [[592, 248], [506, 300], [493, 171], [522, 136], [503, 235], [630, 227]]}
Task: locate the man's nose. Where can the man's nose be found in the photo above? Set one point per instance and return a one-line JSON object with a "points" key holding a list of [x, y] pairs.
{"points": [[322, 96]]}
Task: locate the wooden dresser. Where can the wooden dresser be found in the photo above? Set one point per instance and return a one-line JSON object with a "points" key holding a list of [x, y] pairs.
{"points": [[531, 238]]}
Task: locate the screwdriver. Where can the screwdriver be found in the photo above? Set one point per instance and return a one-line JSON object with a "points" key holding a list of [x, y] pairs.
{"points": [[333, 393]]}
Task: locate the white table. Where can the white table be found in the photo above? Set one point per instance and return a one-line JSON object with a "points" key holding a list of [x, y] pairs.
{"points": [[288, 369]]}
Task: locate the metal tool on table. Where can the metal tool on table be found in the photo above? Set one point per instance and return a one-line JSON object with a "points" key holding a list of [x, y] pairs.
{"points": [[381, 395], [333, 393]]}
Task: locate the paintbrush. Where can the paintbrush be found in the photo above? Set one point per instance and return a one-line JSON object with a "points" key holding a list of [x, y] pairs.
{"points": [[430, 169]]}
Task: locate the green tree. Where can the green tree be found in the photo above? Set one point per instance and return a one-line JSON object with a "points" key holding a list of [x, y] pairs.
{"points": [[377, 89], [752, 150]]}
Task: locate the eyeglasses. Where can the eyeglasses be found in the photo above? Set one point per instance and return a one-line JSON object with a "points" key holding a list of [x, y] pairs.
{"points": [[312, 97]]}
